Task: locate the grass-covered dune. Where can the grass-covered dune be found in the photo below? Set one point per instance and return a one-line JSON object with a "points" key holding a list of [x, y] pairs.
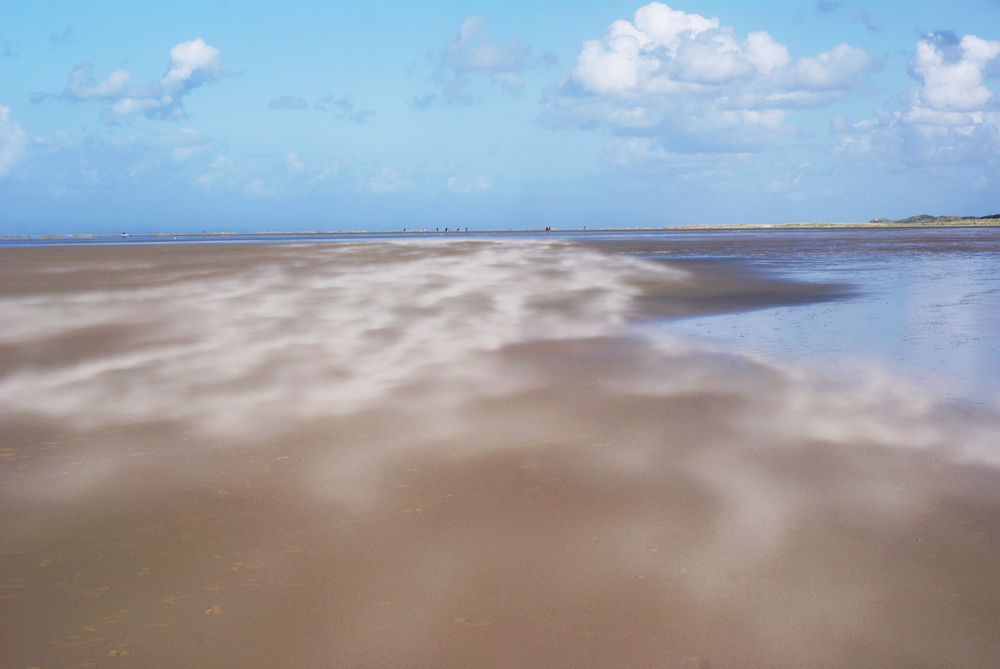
{"points": [[912, 221]]}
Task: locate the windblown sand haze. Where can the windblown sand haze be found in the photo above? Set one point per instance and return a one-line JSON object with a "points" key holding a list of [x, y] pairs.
{"points": [[467, 452]]}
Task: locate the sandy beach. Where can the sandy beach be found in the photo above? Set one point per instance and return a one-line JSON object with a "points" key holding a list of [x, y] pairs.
{"points": [[466, 453]]}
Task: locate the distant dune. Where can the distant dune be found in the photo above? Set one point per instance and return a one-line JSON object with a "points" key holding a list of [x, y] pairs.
{"points": [[923, 219]]}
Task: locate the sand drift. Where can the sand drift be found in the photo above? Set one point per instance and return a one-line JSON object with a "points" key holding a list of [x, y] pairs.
{"points": [[464, 453]]}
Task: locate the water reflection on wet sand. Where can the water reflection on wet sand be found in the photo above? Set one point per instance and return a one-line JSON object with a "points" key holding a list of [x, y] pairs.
{"points": [[207, 460]]}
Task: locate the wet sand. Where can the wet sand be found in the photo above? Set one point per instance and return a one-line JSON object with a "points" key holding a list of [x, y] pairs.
{"points": [[464, 454]]}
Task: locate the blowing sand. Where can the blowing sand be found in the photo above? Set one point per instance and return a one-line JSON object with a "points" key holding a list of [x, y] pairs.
{"points": [[463, 454]]}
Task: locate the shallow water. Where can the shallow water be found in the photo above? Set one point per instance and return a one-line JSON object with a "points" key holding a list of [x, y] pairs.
{"points": [[491, 453], [924, 305]]}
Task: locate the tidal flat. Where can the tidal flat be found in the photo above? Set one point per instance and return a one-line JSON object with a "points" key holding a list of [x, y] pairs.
{"points": [[503, 452]]}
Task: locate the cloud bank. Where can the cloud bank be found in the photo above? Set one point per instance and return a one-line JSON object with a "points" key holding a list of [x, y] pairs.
{"points": [[191, 65], [695, 84], [949, 117]]}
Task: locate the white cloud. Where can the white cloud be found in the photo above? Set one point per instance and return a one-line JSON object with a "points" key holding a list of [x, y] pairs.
{"points": [[278, 177], [81, 84], [14, 142], [951, 75], [191, 65], [388, 181], [630, 151], [184, 153], [88, 172], [837, 70], [258, 189], [695, 85], [223, 176], [948, 117], [470, 184], [512, 81], [330, 169], [470, 52], [789, 185]]}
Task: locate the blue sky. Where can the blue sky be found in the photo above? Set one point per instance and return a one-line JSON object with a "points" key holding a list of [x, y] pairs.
{"points": [[248, 116]]}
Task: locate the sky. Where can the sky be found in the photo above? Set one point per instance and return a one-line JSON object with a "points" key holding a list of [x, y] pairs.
{"points": [[259, 116]]}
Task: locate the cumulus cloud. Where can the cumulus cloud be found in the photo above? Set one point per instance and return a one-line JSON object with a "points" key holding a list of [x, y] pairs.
{"points": [[469, 53], [950, 72], [191, 65], [14, 142], [695, 85], [948, 117], [288, 102]]}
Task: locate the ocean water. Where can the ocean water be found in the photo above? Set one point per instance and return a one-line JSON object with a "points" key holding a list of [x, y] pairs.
{"points": [[665, 449]]}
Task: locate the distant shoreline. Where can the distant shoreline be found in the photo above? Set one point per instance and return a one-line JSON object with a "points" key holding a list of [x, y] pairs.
{"points": [[911, 222]]}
